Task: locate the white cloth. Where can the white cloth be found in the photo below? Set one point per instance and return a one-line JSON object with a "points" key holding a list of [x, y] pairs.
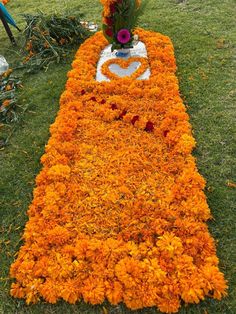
{"points": [[138, 50]]}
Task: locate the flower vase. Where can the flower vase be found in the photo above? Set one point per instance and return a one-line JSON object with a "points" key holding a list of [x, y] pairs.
{"points": [[123, 52]]}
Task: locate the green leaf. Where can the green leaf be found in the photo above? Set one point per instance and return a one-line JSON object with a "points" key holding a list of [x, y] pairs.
{"points": [[104, 28]]}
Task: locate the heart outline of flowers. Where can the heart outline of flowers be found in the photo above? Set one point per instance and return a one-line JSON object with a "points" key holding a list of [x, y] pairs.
{"points": [[124, 64]]}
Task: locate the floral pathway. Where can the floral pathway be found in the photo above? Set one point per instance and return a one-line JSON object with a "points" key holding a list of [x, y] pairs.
{"points": [[119, 211]]}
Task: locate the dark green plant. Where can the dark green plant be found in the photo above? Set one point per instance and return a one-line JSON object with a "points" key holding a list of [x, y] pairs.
{"points": [[9, 84], [48, 39]]}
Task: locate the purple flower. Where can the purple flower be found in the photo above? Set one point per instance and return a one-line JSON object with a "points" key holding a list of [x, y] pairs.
{"points": [[123, 36]]}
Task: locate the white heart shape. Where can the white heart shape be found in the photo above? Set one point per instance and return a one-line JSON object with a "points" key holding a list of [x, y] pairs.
{"points": [[116, 69]]}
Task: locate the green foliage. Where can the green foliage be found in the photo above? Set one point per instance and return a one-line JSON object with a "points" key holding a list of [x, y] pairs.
{"points": [[48, 38], [9, 85], [10, 108]]}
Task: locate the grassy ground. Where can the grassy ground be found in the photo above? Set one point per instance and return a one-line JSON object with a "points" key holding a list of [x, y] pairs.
{"points": [[202, 32]]}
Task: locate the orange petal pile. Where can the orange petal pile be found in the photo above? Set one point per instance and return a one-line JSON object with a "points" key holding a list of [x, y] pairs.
{"points": [[119, 211]]}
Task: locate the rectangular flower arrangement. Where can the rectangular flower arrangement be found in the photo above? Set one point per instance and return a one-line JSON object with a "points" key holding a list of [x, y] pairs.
{"points": [[119, 211]]}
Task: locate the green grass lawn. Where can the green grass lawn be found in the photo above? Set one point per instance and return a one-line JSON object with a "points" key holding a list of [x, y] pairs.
{"points": [[203, 33]]}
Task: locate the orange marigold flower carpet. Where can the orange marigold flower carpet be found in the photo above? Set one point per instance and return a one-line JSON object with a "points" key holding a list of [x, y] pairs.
{"points": [[119, 211]]}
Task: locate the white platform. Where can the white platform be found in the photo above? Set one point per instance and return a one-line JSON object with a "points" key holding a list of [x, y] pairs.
{"points": [[139, 50]]}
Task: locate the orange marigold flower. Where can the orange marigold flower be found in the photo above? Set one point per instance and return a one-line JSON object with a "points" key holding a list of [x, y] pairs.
{"points": [[6, 103], [93, 291], [170, 305], [170, 243]]}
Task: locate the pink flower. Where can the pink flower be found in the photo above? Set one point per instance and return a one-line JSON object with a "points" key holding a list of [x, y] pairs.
{"points": [[114, 106], [109, 32], [123, 36], [109, 21], [149, 126], [135, 118], [112, 8], [123, 113]]}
